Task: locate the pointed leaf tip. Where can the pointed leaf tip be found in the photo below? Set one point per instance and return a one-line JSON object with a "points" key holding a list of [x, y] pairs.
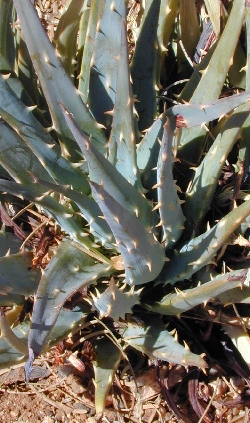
{"points": [[28, 365]]}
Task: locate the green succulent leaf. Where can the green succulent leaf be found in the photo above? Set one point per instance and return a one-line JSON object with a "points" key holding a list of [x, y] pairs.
{"points": [[70, 144], [204, 183], [145, 147], [17, 158], [181, 301], [200, 250], [49, 156], [12, 339], [104, 65], [63, 215], [101, 170], [147, 152], [4, 11], [56, 84], [106, 362], [157, 343], [90, 211], [17, 278], [142, 254], [11, 104], [235, 296], [172, 217], [116, 302], [189, 115], [9, 355], [66, 34], [68, 271], [143, 66], [122, 142], [68, 322], [167, 15], [9, 243], [212, 80], [95, 12]]}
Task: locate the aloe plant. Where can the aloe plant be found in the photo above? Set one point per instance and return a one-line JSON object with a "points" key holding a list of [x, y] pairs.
{"points": [[86, 166]]}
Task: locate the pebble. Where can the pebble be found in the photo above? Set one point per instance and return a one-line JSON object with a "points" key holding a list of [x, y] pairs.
{"points": [[14, 414]]}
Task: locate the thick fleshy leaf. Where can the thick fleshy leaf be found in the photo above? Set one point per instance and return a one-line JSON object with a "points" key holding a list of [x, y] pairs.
{"points": [[188, 25], [63, 215], [67, 323], [9, 356], [68, 271], [167, 16], [4, 11], [189, 115], [56, 84], [106, 362], [90, 211], [10, 103], [181, 301], [10, 336], [66, 34], [235, 296], [143, 66], [200, 250], [116, 302], [142, 254], [172, 217], [145, 147], [104, 64], [101, 170], [206, 176], [49, 155], [156, 342], [17, 278], [9, 242], [210, 84], [122, 142], [147, 154], [95, 12], [17, 158], [213, 8]]}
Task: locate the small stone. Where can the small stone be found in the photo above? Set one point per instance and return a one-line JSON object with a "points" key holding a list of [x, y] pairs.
{"points": [[14, 414], [76, 387]]}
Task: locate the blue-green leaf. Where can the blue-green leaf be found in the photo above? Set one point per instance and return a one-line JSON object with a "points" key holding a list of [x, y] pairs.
{"points": [[68, 271], [142, 254], [156, 342]]}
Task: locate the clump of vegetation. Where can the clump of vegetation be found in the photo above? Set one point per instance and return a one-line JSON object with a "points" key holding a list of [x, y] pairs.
{"points": [[130, 200]]}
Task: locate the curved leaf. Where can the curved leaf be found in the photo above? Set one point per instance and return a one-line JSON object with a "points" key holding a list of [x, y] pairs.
{"points": [[63, 215], [68, 271], [172, 218], [200, 250], [156, 342], [177, 303], [106, 362], [101, 170], [143, 256], [56, 84]]}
